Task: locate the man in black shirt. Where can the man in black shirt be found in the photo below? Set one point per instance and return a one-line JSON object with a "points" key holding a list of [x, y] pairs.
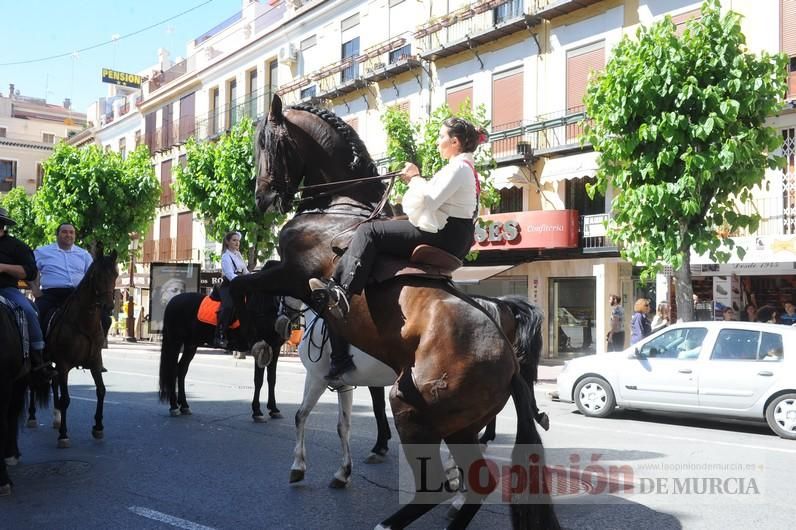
{"points": [[17, 263]]}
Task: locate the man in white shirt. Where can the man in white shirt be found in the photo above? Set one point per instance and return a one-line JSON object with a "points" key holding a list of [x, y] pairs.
{"points": [[62, 266]]}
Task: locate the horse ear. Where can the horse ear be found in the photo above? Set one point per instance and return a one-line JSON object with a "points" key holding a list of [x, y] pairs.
{"points": [[275, 115]]}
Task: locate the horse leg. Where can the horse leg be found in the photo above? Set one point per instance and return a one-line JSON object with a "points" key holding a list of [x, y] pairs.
{"points": [[63, 405], [489, 432], [257, 413], [345, 401], [32, 423], [379, 451], [98, 431], [314, 387], [189, 350], [12, 453], [271, 406], [465, 449], [5, 421], [56, 410], [421, 448]]}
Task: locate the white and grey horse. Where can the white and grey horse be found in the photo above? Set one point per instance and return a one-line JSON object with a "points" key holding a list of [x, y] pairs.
{"points": [[314, 351]]}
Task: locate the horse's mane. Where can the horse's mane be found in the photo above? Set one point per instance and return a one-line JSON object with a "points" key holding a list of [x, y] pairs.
{"points": [[361, 163]]}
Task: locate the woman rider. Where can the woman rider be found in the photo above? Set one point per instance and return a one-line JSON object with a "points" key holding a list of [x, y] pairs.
{"points": [[440, 211], [232, 265]]}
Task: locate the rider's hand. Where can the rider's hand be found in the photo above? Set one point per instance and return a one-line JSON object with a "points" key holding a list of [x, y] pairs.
{"points": [[409, 172]]}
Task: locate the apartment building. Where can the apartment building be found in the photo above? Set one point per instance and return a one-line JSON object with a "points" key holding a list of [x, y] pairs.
{"points": [[528, 63], [29, 128]]}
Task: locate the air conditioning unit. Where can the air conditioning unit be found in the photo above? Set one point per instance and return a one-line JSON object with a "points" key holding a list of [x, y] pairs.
{"points": [[288, 54]]}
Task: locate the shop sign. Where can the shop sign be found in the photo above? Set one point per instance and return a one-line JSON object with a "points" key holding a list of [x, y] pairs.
{"points": [[208, 279], [115, 77], [524, 230]]}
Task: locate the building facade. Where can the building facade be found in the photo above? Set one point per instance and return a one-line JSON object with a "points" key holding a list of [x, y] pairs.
{"points": [[526, 61]]}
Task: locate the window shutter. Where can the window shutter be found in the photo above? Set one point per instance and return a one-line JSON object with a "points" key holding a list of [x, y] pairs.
{"points": [[682, 18], [580, 63], [457, 96], [507, 109], [184, 235], [187, 119], [788, 29], [165, 183], [164, 239]]}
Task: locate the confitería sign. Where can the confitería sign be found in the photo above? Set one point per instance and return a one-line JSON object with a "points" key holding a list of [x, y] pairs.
{"points": [[534, 229], [121, 78]]}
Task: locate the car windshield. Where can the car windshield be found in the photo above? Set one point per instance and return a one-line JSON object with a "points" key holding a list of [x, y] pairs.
{"points": [[680, 343]]}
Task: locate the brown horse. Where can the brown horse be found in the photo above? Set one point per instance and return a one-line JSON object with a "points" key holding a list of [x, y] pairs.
{"points": [[456, 367], [14, 379], [76, 336]]}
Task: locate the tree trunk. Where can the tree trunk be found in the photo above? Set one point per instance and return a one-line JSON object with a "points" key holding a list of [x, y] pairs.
{"points": [[684, 289], [252, 256]]}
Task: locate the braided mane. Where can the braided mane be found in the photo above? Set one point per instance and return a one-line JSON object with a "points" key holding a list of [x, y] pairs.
{"points": [[361, 163]]}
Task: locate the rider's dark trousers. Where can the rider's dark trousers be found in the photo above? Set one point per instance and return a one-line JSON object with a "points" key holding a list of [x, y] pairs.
{"points": [[227, 311], [397, 238], [49, 302]]}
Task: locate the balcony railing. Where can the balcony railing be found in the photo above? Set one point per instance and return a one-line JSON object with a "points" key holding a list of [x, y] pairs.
{"points": [[164, 77], [777, 214], [592, 231], [548, 133], [169, 249]]}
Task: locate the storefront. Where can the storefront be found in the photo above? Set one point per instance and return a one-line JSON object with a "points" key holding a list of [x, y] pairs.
{"points": [[542, 259]]}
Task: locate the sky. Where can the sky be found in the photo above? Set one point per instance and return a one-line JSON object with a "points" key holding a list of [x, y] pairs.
{"points": [[34, 29]]}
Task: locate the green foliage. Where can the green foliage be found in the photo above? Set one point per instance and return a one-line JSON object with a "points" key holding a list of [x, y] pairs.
{"points": [[417, 143], [680, 126], [105, 197], [20, 208], [217, 185]]}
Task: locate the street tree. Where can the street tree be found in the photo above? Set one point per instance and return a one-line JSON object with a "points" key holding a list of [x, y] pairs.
{"points": [[20, 208], [417, 143], [106, 197], [217, 184], [679, 122]]}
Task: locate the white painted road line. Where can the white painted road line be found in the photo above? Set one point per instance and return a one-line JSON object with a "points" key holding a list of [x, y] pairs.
{"points": [[167, 519], [107, 401]]}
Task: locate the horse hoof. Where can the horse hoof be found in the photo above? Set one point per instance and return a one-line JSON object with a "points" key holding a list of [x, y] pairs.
{"points": [[337, 484], [296, 475], [544, 421], [275, 415], [32, 424], [186, 411], [98, 434], [64, 443], [259, 418], [174, 412], [5, 490], [12, 461], [375, 458]]}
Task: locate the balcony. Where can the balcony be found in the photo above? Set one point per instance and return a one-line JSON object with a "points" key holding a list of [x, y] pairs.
{"points": [[592, 231], [553, 133], [165, 248], [777, 213], [472, 25], [150, 251], [166, 194], [387, 59], [164, 77]]}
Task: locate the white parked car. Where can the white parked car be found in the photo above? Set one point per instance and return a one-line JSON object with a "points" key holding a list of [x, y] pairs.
{"points": [[731, 369]]}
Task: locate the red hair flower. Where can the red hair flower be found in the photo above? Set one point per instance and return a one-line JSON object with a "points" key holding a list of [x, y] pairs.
{"points": [[482, 138]]}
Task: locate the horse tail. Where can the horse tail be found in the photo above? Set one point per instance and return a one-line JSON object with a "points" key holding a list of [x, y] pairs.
{"points": [[528, 335], [169, 354], [532, 507], [40, 391]]}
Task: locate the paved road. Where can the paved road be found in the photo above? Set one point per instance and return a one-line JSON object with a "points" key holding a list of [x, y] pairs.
{"points": [[218, 469]]}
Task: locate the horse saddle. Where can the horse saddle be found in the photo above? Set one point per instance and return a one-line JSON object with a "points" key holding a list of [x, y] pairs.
{"points": [[208, 312], [426, 261]]}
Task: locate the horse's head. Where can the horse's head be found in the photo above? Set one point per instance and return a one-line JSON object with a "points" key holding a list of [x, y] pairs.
{"points": [[101, 277], [304, 144]]}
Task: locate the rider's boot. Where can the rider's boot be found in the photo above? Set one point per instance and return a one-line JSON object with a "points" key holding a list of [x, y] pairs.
{"points": [[221, 336], [341, 362], [329, 295]]}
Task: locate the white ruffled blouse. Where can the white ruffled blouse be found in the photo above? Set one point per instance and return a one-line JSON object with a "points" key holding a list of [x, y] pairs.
{"points": [[451, 192]]}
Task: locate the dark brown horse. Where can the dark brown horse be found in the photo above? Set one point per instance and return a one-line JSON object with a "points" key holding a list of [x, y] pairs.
{"points": [[14, 379], [456, 367], [76, 336]]}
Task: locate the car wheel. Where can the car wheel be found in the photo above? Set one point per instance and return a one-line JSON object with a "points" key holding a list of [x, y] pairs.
{"points": [[781, 416], [594, 397]]}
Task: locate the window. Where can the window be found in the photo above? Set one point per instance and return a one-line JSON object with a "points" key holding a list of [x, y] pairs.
{"points": [[577, 198], [683, 343], [184, 236], [510, 201], [187, 125], [8, 174], [3, 132], [166, 133], [747, 345], [507, 109], [214, 102], [273, 79], [458, 96], [48, 138], [350, 47], [308, 92], [232, 109], [123, 147], [251, 95], [137, 138], [310, 56], [580, 64], [149, 131], [507, 11], [39, 175], [166, 196]]}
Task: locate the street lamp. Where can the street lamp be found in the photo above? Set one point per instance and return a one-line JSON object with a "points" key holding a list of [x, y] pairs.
{"points": [[131, 292]]}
